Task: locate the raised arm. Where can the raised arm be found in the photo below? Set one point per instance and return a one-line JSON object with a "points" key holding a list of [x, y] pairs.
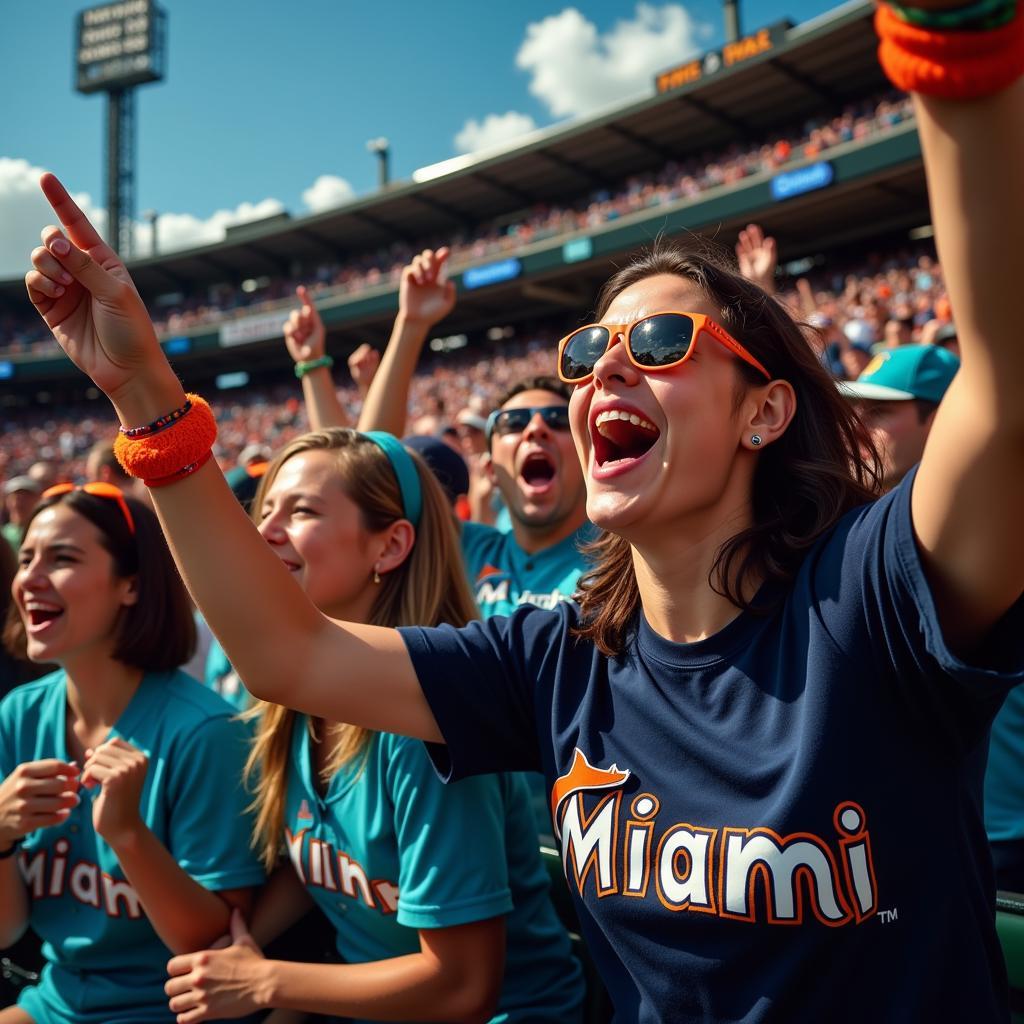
{"points": [[306, 339], [425, 297], [968, 501], [283, 647]]}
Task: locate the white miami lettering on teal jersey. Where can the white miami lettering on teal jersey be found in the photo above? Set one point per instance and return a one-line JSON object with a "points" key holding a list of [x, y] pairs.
{"points": [[48, 877], [716, 871], [318, 864]]}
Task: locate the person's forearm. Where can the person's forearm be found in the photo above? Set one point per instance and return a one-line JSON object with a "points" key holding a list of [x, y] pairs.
{"points": [[13, 902], [413, 987], [281, 903], [974, 161], [386, 402], [186, 916], [322, 405]]}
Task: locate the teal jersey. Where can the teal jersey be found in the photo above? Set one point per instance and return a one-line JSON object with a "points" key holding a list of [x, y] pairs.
{"points": [[390, 850], [504, 576], [105, 963], [221, 677]]}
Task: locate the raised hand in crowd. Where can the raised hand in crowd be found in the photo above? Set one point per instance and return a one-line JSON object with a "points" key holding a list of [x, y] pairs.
{"points": [[425, 297], [363, 365], [305, 339], [81, 289], [758, 257], [304, 332]]}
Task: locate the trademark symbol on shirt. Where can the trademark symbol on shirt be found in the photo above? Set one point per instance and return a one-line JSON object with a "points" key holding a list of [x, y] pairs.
{"points": [[887, 916]]}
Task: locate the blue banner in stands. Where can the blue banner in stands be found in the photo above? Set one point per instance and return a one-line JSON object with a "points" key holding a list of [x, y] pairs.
{"points": [[6, 369], [491, 273], [806, 179]]}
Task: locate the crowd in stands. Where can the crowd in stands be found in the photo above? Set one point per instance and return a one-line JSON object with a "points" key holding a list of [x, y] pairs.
{"points": [[893, 298], [677, 181]]}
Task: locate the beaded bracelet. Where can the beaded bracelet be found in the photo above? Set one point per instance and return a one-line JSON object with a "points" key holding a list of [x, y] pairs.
{"points": [[952, 65], [165, 455], [306, 366], [159, 424], [179, 474]]}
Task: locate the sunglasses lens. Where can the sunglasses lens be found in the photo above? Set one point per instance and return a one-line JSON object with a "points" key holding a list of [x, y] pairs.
{"points": [[582, 351], [661, 340], [557, 417], [511, 421]]}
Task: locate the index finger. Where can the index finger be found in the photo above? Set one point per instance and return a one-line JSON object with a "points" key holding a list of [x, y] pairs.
{"points": [[48, 768], [82, 233], [304, 297]]}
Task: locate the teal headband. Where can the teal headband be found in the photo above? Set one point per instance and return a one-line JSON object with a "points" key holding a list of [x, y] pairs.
{"points": [[405, 470]]}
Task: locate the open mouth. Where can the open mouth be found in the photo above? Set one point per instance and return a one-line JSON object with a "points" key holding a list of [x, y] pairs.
{"points": [[621, 437], [537, 471], [40, 616]]}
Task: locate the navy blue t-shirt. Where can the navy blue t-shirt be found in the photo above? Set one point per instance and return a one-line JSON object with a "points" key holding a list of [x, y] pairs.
{"points": [[782, 822]]}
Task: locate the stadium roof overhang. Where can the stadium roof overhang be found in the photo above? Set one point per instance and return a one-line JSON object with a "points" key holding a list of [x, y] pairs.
{"points": [[820, 66]]}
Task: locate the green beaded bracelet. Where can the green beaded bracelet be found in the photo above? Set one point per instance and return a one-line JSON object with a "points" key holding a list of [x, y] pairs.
{"points": [[302, 368], [980, 16]]}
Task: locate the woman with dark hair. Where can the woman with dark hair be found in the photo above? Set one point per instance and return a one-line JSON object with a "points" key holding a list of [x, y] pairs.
{"points": [[122, 826], [764, 727]]}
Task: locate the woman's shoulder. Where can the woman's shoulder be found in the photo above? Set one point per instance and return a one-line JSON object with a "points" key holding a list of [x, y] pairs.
{"points": [[188, 702], [27, 696]]}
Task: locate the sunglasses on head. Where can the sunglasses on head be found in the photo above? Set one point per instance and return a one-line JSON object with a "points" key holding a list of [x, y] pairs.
{"points": [[656, 342], [514, 421], [97, 490]]}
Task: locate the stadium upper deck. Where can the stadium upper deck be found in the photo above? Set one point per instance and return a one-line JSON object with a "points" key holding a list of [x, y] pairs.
{"points": [[816, 69]]}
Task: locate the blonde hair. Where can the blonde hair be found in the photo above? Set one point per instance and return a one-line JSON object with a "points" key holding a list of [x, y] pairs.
{"points": [[429, 588]]}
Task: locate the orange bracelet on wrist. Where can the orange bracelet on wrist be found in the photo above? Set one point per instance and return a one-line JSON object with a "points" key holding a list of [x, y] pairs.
{"points": [[170, 454], [950, 64]]}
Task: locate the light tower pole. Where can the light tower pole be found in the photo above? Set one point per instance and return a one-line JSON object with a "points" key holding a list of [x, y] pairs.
{"points": [[731, 11], [382, 149], [119, 46]]}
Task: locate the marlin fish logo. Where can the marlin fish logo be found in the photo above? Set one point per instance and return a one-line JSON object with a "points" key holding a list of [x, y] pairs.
{"points": [[582, 775], [487, 571]]}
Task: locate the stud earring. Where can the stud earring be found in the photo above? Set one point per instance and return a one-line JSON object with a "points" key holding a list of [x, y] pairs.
{"points": [[755, 440]]}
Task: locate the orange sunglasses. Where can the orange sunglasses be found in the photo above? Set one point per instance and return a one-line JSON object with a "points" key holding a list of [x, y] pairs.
{"points": [[655, 342], [98, 490]]}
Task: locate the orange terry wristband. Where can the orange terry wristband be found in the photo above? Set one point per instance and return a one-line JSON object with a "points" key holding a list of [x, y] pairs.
{"points": [[162, 457], [952, 65]]}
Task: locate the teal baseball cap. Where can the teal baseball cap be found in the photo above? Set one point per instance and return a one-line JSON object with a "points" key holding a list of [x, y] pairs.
{"points": [[899, 374]]}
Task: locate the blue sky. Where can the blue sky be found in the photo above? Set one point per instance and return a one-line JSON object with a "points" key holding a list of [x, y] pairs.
{"points": [[262, 98]]}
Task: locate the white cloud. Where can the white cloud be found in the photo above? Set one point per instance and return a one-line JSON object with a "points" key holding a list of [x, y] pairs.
{"points": [[185, 231], [326, 192], [24, 212], [493, 130], [575, 70]]}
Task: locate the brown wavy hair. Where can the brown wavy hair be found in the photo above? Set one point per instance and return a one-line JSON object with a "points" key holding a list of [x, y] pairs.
{"points": [[429, 588], [822, 466]]}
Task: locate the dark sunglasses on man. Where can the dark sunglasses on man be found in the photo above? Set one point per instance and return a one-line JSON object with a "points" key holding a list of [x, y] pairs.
{"points": [[514, 421]]}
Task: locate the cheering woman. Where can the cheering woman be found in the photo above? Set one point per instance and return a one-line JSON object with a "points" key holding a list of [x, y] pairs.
{"points": [[123, 831], [763, 728]]}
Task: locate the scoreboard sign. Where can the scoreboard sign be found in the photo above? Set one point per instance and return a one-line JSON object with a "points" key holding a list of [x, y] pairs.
{"points": [[763, 41], [119, 45]]}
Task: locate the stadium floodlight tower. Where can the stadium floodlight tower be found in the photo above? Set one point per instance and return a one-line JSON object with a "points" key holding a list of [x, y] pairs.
{"points": [[119, 46]]}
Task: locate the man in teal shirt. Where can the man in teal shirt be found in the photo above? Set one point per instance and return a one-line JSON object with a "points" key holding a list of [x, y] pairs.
{"points": [[534, 465]]}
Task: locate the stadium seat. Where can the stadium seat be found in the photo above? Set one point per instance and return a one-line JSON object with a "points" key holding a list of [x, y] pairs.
{"points": [[1010, 926], [596, 1004]]}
